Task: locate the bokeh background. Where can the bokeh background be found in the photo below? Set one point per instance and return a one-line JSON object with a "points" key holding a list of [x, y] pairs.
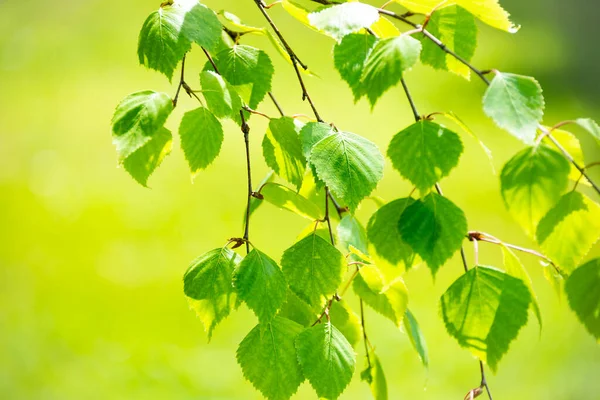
{"points": [[91, 303]]}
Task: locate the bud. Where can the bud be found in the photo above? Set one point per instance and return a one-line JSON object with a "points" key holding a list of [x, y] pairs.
{"points": [[473, 393]]}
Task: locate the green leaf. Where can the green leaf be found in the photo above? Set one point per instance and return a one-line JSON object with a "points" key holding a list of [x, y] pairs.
{"points": [[590, 126], [584, 297], [374, 376], [350, 165], [297, 310], [207, 284], [201, 138], [516, 104], [434, 227], [282, 150], [340, 20], [221, 98], [386, 63], [327, 359], [346, 321], [456, 28], [384, 236], [261, 284], [484, 310], [168, 32], [248, 69], [417, 339], [314, 269], [287, 199], [532, 182], [137, 118], [350, 56], [424, 153], [390, 300], [268, 358], [141, 163], [569, 230], [311, 134], [352, 233]]}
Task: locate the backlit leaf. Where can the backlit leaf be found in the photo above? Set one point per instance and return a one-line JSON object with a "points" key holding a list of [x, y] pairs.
{"points": [[282, 150], [141, 163], [201, 138], [350, 56], [340, 20], [287, 199], [221, 98], [584, 296], [417, 339], [346, 321], [374, 376]]}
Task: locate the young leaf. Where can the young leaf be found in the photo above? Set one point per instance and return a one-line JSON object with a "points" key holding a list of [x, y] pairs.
{"points": [[168, 32], [261, 284], [374, 376], [207, 284], [346, 321], [349, 57], [221, 98], [287, 199], [327, 359], [389, 300], [384, 236], [340, 20], [532, 182], [456, 28], [434, 227], [386, 63], [484, 310], [141, 163], [424, 153], [352, 233], [516, 104], [311, 134], [584, 297], [350, 165], [137, 118], [417, 339], [569, 230], [246, 68], [268, 358], [313, 268], [201, 138], [282, 150], [590, 126]]}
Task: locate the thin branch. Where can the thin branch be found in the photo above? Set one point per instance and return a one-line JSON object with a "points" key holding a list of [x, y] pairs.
{"points": [[347, 285], [364, 330], [484, 381], [410, 100], [246, 131], [210, 59], [274, 100], [184, 85], [326, 218]]}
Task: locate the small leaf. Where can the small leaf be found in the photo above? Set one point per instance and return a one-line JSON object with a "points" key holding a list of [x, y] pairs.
{"points": [[434, 227], [221, 98], [532, 182], [311, 134], [314, 269], [340, 20], [297, 310], [484, 310], [352, 233], [141, 163], [327, 359], [282, 150], [417, 339], [260, 283], [346, 321], [386, 63], [201, 138], [207, 284], [349, 57], [584, 297], [424, 153], [374, 376], [287, 199], [268, 358], [569, 230], [516, 104], [350, 165], [137, 118]]}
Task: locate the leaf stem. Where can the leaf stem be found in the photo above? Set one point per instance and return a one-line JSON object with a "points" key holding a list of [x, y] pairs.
{"points": [[364, 330], [326, 218], [410, 100], [246, 132], [484, 383], [184, 85], [274, 100]]}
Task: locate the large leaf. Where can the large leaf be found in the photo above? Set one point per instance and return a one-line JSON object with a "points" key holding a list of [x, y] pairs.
{"points": [[484, 310], [201, 138], [340, 20], [137, 118], [569, 230], [384, 236], [327, 359], [350, 165], [417, 339], [268, 358], [424, 153], [456, 28], [584, 296], [221, 98], [532, 182], [261, 284], [349, 57], [386, 63], [207, 284], [287, 199], [374, 376], [516, 104], [434, 227], [282, 150], [390, 300], [141, 163], [314, 269], [168, 32], [346, 321]]}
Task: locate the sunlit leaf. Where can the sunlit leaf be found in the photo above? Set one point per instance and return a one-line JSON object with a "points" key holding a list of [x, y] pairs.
{"points": [[340, 20], [282, 150], [584, 296], [141, 163], [287, 199], [201, 138]]}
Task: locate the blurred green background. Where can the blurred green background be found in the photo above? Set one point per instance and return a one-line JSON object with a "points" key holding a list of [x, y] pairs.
{"points": [[91, 303]]}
